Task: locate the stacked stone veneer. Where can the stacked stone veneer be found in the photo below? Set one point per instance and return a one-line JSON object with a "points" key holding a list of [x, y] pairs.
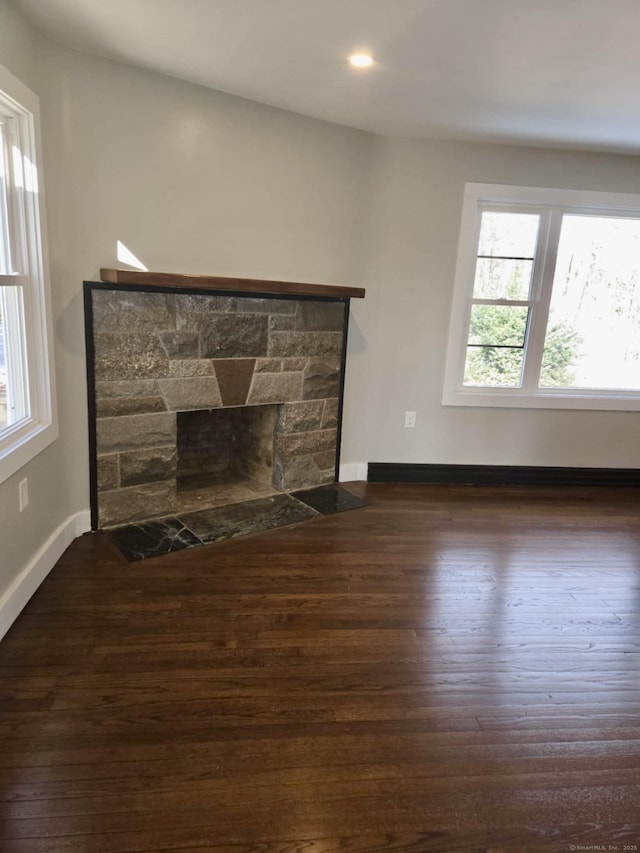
{"points": [[157, 354]]}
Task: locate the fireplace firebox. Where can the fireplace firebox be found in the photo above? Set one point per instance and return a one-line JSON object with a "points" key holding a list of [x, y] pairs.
{"points": [[223, 447]]}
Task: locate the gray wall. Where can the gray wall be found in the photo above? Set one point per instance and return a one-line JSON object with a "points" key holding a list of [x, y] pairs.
{"points": [[190, 181], [415, 209], [52, 498]]}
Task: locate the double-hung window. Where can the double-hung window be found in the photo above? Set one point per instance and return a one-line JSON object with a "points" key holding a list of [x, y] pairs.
{"points": [[546, 309], [27, 411]]}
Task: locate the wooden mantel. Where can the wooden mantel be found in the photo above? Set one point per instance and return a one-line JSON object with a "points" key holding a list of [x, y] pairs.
{"points": [[240, 285]]}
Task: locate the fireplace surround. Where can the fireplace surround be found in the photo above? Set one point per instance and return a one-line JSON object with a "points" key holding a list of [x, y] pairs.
{"points": [[206, 392]]}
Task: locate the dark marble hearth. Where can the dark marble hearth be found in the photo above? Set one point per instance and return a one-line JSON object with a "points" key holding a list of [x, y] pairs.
{"points": [[227, 522], [328, 500], [163, 536], [153, 538]]}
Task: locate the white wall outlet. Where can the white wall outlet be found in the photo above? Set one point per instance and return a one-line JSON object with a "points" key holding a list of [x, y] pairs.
{"points": [[409, 420], [23, 494]]}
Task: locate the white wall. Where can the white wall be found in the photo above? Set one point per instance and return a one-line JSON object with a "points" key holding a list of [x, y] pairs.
{"points": [[18, 45], [415, 208], [52, 501]]}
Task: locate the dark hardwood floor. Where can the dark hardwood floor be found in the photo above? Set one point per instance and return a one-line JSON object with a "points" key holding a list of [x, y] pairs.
{"points": [[449, 669]]}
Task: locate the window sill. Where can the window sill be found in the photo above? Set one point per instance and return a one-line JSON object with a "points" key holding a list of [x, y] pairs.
{"points": [[18, 449], [543, 400]]}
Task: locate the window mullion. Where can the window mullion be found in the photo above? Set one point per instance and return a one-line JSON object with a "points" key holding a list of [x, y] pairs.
{"points": [[544, 272], [522, 303], [13, 280]]}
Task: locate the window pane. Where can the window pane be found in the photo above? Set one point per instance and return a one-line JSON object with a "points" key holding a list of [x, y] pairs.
{"points": [[508, 235], [498, 325], [496, 345], [493, 367], [5, 254], [500, 278], [3, 374], [593, 336], [506, 249], [14, 397]]}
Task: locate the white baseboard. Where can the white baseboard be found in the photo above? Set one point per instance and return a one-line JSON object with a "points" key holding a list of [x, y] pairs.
{"points": [[32, 575], [353, 471]]}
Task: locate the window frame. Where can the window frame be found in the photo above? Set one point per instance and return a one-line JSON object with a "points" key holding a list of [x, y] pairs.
{"points": [[551, 204], [21, 442]]}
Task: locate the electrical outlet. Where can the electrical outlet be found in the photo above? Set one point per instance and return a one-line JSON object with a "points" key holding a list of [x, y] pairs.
{"points": [[23, 494], [409, 420]]}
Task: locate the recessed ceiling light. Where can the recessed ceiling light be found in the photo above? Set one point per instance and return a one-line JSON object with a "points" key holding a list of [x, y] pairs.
{"points": [[361, 60]]}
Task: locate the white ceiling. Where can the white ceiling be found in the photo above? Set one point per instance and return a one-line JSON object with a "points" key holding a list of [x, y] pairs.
{"points": [[544, 72]]}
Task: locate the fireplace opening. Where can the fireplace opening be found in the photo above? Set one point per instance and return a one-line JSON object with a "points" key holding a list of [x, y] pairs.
{"points": [[227, 453]]}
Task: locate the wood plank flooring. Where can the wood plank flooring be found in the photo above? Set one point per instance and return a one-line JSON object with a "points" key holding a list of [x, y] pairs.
{"points": [[449, 669]]}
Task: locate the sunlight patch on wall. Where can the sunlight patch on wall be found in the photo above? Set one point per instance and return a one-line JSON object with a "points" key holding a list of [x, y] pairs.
{"points": [[126, 256]]}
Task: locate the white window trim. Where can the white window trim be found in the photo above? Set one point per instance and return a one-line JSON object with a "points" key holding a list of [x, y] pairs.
{"points": [[25, 440], [523, 199]]}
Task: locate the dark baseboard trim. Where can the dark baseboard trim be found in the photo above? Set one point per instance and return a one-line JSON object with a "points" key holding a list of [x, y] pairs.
{"points": [[500, 475]]}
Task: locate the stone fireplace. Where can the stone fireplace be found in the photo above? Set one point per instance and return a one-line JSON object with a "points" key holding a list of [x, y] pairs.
{"points": [[204, 399]]}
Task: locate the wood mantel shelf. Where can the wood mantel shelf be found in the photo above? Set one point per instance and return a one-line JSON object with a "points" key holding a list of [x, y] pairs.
{"points": [[240, 285]]}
